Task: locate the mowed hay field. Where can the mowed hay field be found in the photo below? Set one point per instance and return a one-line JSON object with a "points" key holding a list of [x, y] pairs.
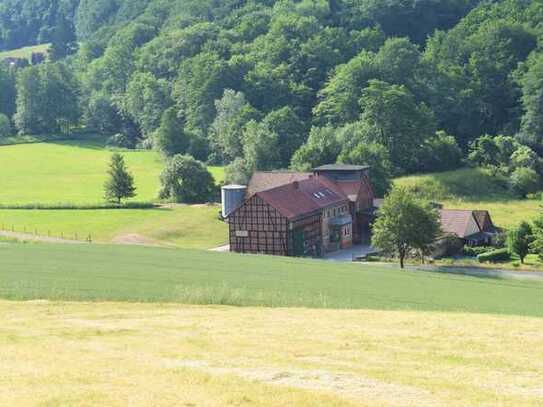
{"points": [[120, 354], [74, 172], [366, 335], [472, 188]]}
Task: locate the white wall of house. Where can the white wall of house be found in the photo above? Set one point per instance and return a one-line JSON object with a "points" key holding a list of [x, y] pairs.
{"points": [[472, 227]]}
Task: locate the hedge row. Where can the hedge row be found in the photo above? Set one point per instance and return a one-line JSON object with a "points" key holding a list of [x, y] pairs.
{"points": [[494, 256]]}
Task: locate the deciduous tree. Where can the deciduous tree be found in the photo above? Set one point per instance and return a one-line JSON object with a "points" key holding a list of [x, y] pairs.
{"points": [[405, 224], [394, 119], [186, 180], [519, 240]]}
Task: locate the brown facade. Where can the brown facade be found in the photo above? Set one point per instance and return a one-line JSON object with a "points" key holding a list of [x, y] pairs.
{"points": [[302, 214], [258, 228]]}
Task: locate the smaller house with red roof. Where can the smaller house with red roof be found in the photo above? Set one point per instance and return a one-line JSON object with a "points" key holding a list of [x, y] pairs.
{"points": [[303, 214], [474, 227]]}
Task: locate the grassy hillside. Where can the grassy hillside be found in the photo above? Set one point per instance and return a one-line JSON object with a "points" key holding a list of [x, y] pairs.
{"points": [[118, 273], [72, 172], [147, 354], [25, 52], [473, 189]]}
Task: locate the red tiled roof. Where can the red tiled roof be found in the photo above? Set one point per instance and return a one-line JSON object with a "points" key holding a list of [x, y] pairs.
{"points": [[455, 221], [355, 188], [304, 197], [262, 181]]}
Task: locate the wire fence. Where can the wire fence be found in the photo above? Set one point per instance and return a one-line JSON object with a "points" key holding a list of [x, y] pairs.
{"points": [[47, 234]]}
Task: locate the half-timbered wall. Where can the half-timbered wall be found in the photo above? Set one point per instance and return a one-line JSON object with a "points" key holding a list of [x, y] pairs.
{"points": [[310, 228], [258, 228]]}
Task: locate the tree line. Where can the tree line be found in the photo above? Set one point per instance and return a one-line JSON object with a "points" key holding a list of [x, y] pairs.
{"points": [[404, 86]]}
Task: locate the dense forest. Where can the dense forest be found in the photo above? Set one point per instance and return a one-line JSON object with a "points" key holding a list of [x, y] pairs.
{"points": [[403, 85]]}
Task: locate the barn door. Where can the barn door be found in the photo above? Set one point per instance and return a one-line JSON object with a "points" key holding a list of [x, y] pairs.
{"points": [[298, 240]]}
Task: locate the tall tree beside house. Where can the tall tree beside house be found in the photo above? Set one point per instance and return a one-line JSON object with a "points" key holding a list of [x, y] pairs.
{"points": [[260, 147], [405, 224], [287, 125], [120, 183], [322, 147], [377, 157], [233, 113], [519, 240], [392, 117]]}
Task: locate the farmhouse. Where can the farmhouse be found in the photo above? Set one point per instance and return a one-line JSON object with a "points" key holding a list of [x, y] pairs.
{"points": [[475, 228], [303, 214]]}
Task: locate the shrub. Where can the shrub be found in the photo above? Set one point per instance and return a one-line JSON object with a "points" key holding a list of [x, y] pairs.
{"points": [[524, 181], [186, 180], [374, 259], [121, 140], [476, 251], [495, 256]]}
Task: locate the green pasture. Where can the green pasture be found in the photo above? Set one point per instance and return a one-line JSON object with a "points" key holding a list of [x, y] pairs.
{"points": [[472, 188], [126, 273], [72, 172], [182, 226], [25, 52]]}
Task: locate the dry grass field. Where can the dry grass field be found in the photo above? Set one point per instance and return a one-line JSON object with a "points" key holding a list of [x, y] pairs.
{"points": [[120, 354]]}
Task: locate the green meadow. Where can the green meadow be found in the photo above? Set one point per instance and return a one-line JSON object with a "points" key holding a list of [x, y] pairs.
{"points": [[73, 172], [146, 274], [180, 225]]}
